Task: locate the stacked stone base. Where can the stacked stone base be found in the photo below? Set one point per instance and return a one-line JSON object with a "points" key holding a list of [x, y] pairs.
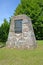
{"points": [[21, 46]]}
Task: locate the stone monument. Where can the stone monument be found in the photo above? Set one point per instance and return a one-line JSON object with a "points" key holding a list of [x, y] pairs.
{"points": [[21, 34]]}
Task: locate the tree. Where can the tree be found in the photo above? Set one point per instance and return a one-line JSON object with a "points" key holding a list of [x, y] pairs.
{"points": [[33, 9], [4, 30]]}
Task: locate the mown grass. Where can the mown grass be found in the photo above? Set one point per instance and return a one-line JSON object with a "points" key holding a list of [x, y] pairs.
{"points": [[22, 57]]}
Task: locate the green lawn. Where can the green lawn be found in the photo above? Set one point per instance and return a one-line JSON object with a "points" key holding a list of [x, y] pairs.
{"points": [[22, 57]]}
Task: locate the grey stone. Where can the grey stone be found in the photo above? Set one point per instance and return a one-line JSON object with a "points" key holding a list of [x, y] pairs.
{"points": [[25, 39]]}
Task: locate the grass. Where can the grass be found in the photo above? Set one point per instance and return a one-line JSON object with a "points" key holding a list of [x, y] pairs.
{"points": [[22, 57]]}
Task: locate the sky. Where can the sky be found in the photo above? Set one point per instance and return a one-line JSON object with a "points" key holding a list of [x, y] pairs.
{"points": [[7, 8]]}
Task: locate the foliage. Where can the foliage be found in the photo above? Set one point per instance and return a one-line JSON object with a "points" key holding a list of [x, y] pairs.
{"points": [[4, 29], [33, 9], [22, 57], [2, 44]]}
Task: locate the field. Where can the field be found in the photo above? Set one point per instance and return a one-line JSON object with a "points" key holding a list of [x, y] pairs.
{"points": [[22, 57]]}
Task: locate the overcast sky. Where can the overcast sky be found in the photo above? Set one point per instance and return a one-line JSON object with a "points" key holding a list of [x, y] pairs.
{"points": [[7, 8]]}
